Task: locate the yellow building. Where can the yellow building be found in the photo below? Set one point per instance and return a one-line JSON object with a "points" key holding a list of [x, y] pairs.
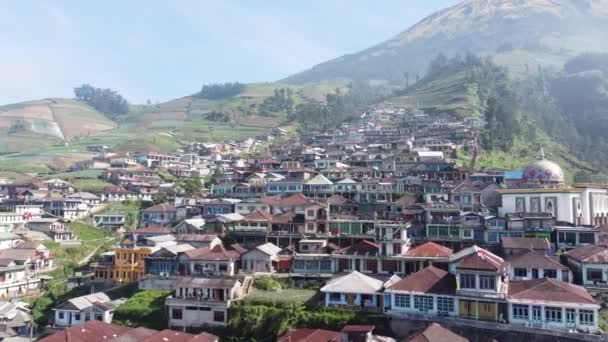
{"points": [[127, 265]]}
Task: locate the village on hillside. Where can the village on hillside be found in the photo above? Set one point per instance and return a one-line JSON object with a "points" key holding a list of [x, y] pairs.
{"points": [[377, 224]]}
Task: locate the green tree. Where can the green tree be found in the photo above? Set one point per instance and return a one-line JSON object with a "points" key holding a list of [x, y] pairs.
{"points": [[191, 185], [106, 101]]}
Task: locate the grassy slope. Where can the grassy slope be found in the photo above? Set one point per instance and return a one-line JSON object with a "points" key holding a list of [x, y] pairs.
{"points": [[447, 93], [163, 127]]}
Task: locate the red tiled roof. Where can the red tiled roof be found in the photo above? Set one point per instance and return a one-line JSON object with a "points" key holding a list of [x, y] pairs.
{"points": [[363, 247], [428, 280], [430, 250], [293, 200], [161, 207], [285, 218], [592, 254], [358, 328], [217, 253], [481, 260], [524, 243], [178, 336], [311, 335], [91, 331], [436, 333], [259, 215], [549, 290], [534, 259]]}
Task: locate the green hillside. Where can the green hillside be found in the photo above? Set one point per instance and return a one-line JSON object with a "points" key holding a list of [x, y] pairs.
{"points": [[463, 89], [46, 135]]}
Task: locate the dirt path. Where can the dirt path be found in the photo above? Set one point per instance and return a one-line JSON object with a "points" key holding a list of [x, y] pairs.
{"points": [[90, 255]]}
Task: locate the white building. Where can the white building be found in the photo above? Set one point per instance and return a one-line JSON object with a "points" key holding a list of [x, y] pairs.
{"points": [[201, 301], [544, 190], [97, 306]]}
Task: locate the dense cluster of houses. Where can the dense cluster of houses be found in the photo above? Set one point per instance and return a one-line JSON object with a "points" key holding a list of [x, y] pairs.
{"points": [[377, 214]]}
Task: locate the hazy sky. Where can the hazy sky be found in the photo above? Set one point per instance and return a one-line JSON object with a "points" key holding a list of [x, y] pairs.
{"points": [[160, 50]]}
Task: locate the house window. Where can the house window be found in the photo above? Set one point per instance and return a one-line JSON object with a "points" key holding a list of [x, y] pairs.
{"points": [[521, 272], [176, 314], [487, 282], [77, 317], [492, 236], [520, 311], [87, 317], [61, 315], [402, 301], [553, 314], [550, 274], [335, 297], [423, 303], [594, 274], [467, 234], [586, 238], [445, 304], [325, 265], [570, 317], [585, 317], [310, 213], [219, 316], [467, 281]]}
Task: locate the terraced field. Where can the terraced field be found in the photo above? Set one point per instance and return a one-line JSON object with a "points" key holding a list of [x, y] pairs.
{"points": [[46, 121], [41, 136]]}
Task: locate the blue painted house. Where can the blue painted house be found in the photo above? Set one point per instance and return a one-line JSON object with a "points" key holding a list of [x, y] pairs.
{"points": [[165, 262]]}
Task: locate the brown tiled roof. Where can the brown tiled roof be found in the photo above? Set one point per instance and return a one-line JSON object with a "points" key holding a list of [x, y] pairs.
{"points": [[549, 290], [337, 199], [115, 190], [91, 331], [592, 254], [435, 333], [311, 335], [285, 218], [293, 200], [178, 336], [358, 328], [195, 237], [524, 243], [481, 260], [405, 200], [151, 230], [468, 185], [259, 215], [161, 207], [363, 247], [428, 280], [534, 259], [237, 247], [430, 250], [217, 253]]}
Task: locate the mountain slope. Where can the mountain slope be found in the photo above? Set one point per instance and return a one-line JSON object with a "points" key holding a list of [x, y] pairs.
{"points": [[48, 121], [519, 33], [467, 89]]}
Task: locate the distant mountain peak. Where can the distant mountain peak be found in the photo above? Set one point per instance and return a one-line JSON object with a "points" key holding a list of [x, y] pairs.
{"points": [[545, 32]]}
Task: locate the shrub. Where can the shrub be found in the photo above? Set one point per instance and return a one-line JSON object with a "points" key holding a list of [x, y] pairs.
{"points": [[267, 284]]}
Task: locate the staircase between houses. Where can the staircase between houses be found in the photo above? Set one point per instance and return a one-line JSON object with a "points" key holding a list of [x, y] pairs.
{"points": [[247, 284]]}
